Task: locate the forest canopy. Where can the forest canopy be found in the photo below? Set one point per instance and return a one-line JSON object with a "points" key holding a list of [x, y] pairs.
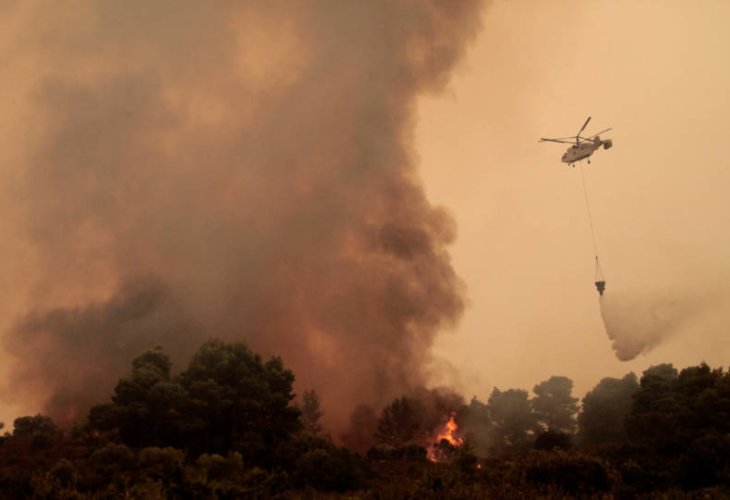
{"points": [[230, 424]]}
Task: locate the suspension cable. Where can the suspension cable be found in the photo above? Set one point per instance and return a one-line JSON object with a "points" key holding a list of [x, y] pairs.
{"points": [[588, 208]]}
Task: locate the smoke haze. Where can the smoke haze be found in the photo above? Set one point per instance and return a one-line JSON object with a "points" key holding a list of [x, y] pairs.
{"points": [[246, 171]]}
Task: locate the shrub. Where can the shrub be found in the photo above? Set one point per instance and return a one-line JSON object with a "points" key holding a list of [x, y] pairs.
{"points": [[572, 473], [330, 470]]}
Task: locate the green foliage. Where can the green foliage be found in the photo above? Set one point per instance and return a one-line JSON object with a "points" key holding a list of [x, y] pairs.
{"points": [[161, 464], [64, 473], [147, 407], [673, 409], [334, 469], [231, 432], [601, 420], [574, 474], [655, 407], [59, 482], [154, 362], [554, 405], [111, 460], [240, 402], [475, 425], [653, 416], [706, 462], [643, 471], [287, 453], [40, 431], [513, 422], [411, 452], [550, 440], [227, 399], [217, 476], [311, 412], [466, 462], [219, 468], [399, 423], [677, 423]]}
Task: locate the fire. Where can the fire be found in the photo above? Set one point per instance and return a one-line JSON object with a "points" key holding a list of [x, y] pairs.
{"points": [[448, 433], [436, 452]]}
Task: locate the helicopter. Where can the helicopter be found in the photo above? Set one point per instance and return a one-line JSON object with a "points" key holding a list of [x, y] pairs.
{"points": [[582, 147]]}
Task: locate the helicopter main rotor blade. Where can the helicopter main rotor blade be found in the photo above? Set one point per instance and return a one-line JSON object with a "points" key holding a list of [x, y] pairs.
{"points": [[583, 127], [562, 141], [569, 138], [599, 133]]}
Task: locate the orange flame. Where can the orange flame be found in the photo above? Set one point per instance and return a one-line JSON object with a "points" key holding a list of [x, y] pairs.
{"points": [[446, 433]]}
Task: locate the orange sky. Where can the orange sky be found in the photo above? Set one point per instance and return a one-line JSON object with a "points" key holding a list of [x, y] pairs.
{"points": [[657, 73]]}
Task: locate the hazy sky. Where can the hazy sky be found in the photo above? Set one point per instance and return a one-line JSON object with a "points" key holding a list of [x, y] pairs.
{"points": [[657, 73], [654, 71]]}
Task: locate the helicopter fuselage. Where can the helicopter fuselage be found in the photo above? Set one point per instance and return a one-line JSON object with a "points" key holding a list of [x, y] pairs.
{"points": [[581, 151], [585, 149]]}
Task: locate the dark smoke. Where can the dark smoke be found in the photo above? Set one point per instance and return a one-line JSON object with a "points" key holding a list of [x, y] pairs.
{"points": [[74, 355], [255, 158]]}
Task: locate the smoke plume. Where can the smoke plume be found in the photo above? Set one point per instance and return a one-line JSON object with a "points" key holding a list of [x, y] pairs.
{"points": [[242, 170], [100, 338]]}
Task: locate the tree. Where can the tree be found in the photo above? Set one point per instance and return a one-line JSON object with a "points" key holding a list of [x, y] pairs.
{"points": [[475, 425], [550, 440], [679, 423], [311, 412], [514, 423], [330, 469], [398, 423], [40, 431], [228, 399], [554, 406], [601, 420], [704, 394], [147, 407], [239, 402], [653, 418]]}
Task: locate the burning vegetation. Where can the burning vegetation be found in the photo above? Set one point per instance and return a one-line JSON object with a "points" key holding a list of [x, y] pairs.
{"points": [[448, 433], [445, 442]]}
